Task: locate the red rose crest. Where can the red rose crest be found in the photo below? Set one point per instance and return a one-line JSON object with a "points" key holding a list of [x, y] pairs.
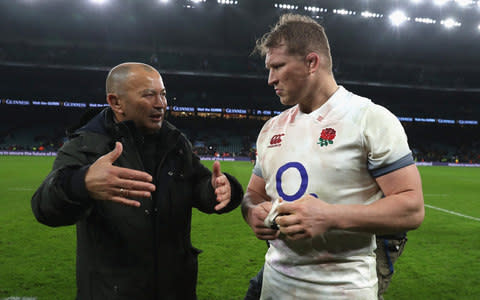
{"points": [[326, 137]]}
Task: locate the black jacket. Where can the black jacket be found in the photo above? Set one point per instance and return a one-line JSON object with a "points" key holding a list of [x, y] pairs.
{"points": [[126, 252]]}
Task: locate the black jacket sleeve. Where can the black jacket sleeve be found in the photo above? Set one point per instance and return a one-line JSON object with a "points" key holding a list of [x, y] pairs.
{"points": [[206, 195], [62, 198]]}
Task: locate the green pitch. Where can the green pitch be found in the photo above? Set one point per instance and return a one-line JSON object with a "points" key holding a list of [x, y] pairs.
{"points": [[441, 259]]}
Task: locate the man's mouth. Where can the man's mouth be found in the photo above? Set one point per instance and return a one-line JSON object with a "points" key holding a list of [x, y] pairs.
{"points": [[156, 118]]}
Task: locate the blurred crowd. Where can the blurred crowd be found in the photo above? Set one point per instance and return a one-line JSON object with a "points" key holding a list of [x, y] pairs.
{"points": [[236, 137]]}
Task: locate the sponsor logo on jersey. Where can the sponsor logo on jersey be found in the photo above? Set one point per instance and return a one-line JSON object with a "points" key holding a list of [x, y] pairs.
{"points": [[276, 140], [326, 137]]}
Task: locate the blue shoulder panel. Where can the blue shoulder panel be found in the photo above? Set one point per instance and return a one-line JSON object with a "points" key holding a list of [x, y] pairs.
{"points": [[402, 162]]}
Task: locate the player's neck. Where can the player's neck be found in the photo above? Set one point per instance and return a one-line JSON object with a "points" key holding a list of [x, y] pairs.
{"points": [[324, 89]]}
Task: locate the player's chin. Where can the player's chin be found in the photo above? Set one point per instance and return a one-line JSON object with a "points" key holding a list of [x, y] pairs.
{"points": [[286, 101]]}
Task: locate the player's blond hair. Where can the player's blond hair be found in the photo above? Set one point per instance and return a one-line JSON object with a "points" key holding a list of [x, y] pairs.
{"points": [[301, 35]]}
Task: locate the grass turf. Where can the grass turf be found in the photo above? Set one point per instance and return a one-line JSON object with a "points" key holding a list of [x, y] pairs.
{"points": [[441, 259]]}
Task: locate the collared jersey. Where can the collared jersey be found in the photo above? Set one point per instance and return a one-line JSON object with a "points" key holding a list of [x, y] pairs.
{"points": [[333, 153]]}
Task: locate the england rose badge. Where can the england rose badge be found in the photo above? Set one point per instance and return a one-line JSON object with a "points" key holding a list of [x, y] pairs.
{"points": [[326, 137]]}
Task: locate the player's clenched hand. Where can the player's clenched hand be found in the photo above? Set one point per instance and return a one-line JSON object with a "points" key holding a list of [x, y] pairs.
{"points": [[256, 217], [222, 187], [107, 182], [304, 218]]}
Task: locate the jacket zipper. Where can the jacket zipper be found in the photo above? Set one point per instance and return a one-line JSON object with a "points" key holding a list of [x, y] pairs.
{"points": [[156, 247]]}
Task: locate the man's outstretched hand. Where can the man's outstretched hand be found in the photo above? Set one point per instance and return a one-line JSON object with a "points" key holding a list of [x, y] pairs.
{"points": [[221, 185], [104, 181]]}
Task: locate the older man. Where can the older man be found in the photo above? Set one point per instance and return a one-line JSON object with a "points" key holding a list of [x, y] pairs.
{"points": [[132, 205]]}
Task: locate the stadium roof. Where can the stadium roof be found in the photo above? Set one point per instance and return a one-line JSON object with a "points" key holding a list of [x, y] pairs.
{"points": [[442, 35]]}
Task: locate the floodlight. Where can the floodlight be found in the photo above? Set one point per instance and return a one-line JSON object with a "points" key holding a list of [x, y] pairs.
{"points": [[450, 23], [440, 2], [314, 9], [227, 2], [344, 12], [98, 1], [398, 18], [286, 6], [163, 1], [425, 20], [478, 27], [416, 1], [464, 3], [367, 14]]}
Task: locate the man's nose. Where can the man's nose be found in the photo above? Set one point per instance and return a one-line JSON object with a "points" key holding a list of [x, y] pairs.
{"points": [[272, 78], [160, 101]]}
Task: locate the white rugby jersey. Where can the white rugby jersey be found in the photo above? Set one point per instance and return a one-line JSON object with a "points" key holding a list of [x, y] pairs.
{"points": [[334, 152]]}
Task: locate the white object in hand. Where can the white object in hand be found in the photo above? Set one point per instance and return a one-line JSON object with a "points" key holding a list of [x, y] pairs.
{"points": [[270, 219]]}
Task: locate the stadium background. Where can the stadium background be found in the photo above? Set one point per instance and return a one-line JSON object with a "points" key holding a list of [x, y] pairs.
{"points": [[55, 55]]}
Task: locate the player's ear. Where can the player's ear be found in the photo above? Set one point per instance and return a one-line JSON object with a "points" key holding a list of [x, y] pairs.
{"points": [[312, 61], [114, 101]]}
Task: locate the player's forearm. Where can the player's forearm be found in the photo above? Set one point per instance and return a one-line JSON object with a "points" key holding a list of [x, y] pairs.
{"points": [[395, 213], [250, 200]]}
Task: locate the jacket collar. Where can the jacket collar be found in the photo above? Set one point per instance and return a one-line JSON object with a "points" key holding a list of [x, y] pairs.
{"points": [[103, 123]]}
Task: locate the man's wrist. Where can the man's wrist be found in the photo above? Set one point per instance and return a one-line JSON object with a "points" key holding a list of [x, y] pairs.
{"points": [[75, 185]]}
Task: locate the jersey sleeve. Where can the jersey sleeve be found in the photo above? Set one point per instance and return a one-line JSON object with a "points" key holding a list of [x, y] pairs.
{"points": [[385, 141], [257, 169]]}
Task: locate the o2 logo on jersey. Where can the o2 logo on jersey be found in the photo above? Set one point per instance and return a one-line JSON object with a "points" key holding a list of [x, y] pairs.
{"points": [[276, 140], [303, 184]]}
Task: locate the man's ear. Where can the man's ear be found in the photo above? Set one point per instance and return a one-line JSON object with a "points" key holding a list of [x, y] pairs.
{"points": [[114, 101], [313, 62]]}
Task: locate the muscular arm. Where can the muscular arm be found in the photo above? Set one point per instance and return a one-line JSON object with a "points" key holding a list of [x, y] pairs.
{"points": [[255, 207], [400, 210], [254, 195]]}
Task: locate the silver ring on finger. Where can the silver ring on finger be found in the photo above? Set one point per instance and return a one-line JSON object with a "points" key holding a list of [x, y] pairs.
{"points": [[124, 192]]}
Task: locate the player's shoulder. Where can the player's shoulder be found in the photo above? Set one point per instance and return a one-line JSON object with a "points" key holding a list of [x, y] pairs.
{"points": [[359, 102], [380, 112], [378, 117], [350, 106], [367, 108], [280, 120]]}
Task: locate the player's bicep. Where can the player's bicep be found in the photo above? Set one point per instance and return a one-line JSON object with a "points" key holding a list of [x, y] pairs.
{"points": [[404, 180], [404, 187]]}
